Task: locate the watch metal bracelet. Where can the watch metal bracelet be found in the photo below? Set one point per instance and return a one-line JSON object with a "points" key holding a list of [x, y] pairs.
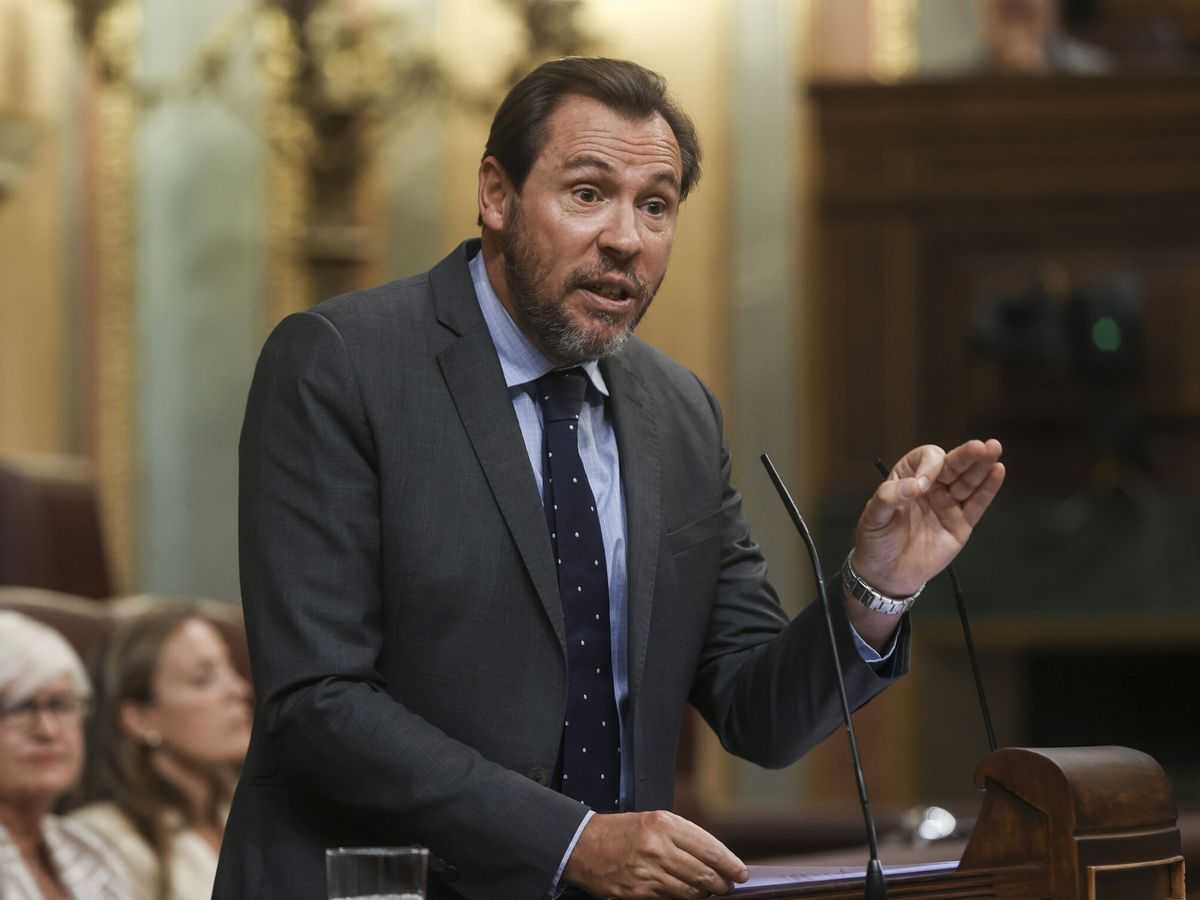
{"points": [[871, 598]]}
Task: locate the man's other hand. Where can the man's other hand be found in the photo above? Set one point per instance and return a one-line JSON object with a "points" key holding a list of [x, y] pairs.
{"points": [[651, 854], [923, 514]]}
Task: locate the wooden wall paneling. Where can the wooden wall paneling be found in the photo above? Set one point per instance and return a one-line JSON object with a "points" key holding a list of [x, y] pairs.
{"points": [[897, 325], [888, 739], [959, 391], [853, 293], [933, 197]]}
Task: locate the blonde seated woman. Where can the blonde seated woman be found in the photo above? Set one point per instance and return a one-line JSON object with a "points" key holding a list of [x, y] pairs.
{"points": [[170, 731], [44, 695]]}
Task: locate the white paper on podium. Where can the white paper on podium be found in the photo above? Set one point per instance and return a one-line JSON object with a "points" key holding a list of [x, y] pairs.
{"points": [[770, 878]]}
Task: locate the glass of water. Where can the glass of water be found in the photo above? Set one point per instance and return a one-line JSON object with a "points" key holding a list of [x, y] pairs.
{"points": [[376, 873]]}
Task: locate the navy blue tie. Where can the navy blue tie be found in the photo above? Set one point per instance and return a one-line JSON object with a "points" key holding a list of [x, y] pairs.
{"points": [[590, 764]]}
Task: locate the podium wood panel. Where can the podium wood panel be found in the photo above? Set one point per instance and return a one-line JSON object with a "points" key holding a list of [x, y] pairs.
{"points": [[1077, 823]]}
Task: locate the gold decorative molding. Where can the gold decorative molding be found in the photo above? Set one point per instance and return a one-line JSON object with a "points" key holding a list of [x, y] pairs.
{"points": [[18, 136], [114, 313], [286, 200], [895, 52], [18, 131], [339, 79]]}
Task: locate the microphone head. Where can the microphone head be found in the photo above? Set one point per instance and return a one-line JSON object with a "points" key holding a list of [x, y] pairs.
{"points": [[875, 888]]}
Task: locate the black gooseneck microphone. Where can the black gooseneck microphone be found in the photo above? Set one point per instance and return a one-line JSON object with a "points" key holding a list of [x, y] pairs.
{"points": [[961, 603], [875, 887]]}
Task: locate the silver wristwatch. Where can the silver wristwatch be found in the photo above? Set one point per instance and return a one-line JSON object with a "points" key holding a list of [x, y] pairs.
{"points": [[871, 598]]}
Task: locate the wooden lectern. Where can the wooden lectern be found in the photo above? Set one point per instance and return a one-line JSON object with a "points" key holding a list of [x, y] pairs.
{"points": [[1083, 823]]}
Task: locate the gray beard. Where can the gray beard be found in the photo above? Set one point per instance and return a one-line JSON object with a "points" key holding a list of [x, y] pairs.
{"points": [[544, 317]]}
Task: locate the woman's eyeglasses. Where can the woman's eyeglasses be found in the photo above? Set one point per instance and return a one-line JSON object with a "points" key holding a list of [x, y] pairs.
{"points": [[62, 707]]}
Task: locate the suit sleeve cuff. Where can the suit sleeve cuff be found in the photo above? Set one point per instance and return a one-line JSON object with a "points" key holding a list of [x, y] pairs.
{"points": [[557, 888], [872, 657]]}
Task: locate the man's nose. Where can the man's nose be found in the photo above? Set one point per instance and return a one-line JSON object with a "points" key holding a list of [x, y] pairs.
{"points": [[621, 237]]}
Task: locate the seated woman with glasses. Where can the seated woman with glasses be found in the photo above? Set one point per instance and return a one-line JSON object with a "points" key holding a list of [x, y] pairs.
{"points": [[43, 700], [169, 734]]}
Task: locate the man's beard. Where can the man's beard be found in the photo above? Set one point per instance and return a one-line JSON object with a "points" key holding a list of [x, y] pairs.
{"points": [[545, 316]]}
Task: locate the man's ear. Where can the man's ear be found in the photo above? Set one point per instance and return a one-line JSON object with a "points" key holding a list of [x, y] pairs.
{"points": [[495, 193]]}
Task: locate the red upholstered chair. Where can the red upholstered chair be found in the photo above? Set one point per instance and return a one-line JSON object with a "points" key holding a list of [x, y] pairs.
{"points": [[50, 531], [87, 624]]}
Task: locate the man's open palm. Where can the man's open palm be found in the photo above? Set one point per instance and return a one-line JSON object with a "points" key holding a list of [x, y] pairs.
{"points": [[923, 514]]}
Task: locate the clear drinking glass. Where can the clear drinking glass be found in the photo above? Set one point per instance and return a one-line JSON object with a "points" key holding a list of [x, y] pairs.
{"points": [[376, 873]]}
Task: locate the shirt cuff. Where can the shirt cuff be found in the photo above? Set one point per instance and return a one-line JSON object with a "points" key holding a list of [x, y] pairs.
{"points": [[556, 888], [869, 655]]}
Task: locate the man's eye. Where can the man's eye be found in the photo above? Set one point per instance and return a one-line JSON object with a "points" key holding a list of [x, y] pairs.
{"points": [[587, 195], [656, 207]]}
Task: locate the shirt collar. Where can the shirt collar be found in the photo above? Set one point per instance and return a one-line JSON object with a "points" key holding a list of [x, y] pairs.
{"points": [[520, 360]]}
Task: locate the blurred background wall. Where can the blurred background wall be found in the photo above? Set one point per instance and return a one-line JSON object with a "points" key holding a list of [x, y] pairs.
{"points": [[177, 176]]}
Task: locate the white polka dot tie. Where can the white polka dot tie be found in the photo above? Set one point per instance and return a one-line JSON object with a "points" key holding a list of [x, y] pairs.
{"points": [[589, 761]]}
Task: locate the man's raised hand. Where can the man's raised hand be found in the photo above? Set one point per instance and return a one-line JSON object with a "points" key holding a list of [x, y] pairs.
{"points": [[922, 515]]}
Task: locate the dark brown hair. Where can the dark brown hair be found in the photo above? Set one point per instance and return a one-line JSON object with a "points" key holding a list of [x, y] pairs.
{"points": [[119, 769], [519, 128]]}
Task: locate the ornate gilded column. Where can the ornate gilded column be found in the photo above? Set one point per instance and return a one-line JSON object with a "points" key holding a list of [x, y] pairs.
{"points": [[112, 297], [17, 131], [286, 189], [894, 44], [328, 83], [17, 137]]}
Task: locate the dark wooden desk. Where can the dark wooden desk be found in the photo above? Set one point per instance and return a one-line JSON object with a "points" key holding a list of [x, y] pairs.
{"points": [[1094, 823]]}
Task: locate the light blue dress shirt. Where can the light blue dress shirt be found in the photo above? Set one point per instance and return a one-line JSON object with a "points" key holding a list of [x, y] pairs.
{"points": [[523, 364]]}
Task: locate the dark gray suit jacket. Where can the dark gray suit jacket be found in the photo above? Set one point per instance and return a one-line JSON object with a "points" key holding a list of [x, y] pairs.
{"points": [[403, 614]]}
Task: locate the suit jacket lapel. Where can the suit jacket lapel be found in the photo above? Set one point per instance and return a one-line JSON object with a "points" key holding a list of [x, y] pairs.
{"points": [[476, 382], [636, 422]]}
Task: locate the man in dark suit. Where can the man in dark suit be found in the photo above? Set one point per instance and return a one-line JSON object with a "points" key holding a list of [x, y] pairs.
{"points": [[490, 548]]}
